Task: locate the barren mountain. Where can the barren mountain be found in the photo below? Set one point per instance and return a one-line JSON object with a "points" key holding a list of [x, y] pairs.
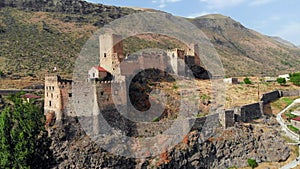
{"points": [[36, 36], [247, 52]]}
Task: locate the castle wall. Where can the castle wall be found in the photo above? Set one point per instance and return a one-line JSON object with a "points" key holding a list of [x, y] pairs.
{"points": [[227, 118], [271, 96], [291, 93], [66, 95], [145, 61], [248, 112]]}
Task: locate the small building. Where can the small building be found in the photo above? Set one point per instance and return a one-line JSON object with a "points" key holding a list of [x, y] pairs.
{"points": [[270, 79], [286, 76], [231, 80], [296, 122], [29, 96], [97, 72]]}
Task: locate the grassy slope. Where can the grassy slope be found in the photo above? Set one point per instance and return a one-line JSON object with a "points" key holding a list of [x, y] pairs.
{"points": [[34, 42]]}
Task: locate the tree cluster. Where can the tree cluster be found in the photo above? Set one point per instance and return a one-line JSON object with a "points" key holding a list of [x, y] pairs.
{"points": [[23, 139], [295, 78]]}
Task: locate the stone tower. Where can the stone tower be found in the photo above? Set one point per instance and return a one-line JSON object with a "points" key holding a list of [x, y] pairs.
{"points": [[53, 100], [193, 51], [111, 52], [178, 65]]}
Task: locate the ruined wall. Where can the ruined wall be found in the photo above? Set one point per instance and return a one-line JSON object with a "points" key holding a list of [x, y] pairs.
{"points": [[227, 118], [248, 112], [290, 93], [271, 96]]}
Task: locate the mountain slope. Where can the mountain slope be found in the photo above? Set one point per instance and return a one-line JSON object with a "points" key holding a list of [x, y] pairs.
{"points": [[246, 52], [36, 36]]}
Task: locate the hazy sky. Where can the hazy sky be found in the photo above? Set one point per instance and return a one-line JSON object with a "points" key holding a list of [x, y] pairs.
{"points": [[270, 17]]}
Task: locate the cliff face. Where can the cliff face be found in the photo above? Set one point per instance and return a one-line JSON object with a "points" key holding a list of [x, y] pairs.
{"points": [[62, 6], [232, 147], [103, 13]]}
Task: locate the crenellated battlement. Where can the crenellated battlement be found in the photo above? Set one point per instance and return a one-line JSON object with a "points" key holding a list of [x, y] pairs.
{"points": [[65, 84], [107, 82], [175, 50]]}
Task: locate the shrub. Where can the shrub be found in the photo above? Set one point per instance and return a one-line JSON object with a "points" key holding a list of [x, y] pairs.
{"points": [[295, 78], [156, 119], [175, 86], [281, 81], [247, 81], [252, 163], [293, 128]]}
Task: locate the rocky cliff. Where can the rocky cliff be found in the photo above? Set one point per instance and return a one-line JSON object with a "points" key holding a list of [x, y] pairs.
{"points": [[232, 147]]}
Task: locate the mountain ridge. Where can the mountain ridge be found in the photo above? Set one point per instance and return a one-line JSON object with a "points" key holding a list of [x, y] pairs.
{"points": [[244, 52]]}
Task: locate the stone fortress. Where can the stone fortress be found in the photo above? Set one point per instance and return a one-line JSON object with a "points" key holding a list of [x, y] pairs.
{"points": [[58, 91], [59, 99]]}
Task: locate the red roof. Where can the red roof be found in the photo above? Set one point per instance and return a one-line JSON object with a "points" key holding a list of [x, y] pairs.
{"points": [[100, 69], [296, 119], [30, 96]]}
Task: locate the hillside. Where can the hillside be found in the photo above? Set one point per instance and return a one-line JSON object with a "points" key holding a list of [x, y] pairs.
{"points": [[245, 52], [36, 36]]}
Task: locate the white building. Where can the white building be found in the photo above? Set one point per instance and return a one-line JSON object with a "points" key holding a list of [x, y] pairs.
{"points": [[97, 72], [286, 76], [231, 80]]}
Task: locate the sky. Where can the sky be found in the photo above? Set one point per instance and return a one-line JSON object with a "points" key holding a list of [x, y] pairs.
{"points": [[269, 17]]}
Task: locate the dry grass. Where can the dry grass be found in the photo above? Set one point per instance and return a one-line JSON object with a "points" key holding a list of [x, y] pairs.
{"points": [[19, 84], [78, 30], [240, 94]]}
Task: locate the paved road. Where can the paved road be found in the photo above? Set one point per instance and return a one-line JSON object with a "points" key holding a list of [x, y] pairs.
{"points": [[290, 165], [289, 133]]}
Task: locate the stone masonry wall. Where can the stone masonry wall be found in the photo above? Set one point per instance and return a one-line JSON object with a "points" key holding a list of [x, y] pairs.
{"points": [[271, 96], [249, 112], [227, 118], [290, 93]]}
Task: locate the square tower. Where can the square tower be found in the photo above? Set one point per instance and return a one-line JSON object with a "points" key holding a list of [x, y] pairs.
{"points": [[176, 57], [52, 101], [193, 50], [111, 52]]}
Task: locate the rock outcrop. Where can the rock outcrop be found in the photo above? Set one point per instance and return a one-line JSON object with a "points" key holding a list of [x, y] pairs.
{"points": [[232, 147]]}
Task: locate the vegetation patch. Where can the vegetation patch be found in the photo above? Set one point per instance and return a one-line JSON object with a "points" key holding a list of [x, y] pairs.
{"points": [[293, 128]]}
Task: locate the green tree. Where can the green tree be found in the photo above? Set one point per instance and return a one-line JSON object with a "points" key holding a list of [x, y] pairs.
{"points": [[281, 81], [5, 139], [24, 142], [247, 81], [252, 163], [295, 78]]}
